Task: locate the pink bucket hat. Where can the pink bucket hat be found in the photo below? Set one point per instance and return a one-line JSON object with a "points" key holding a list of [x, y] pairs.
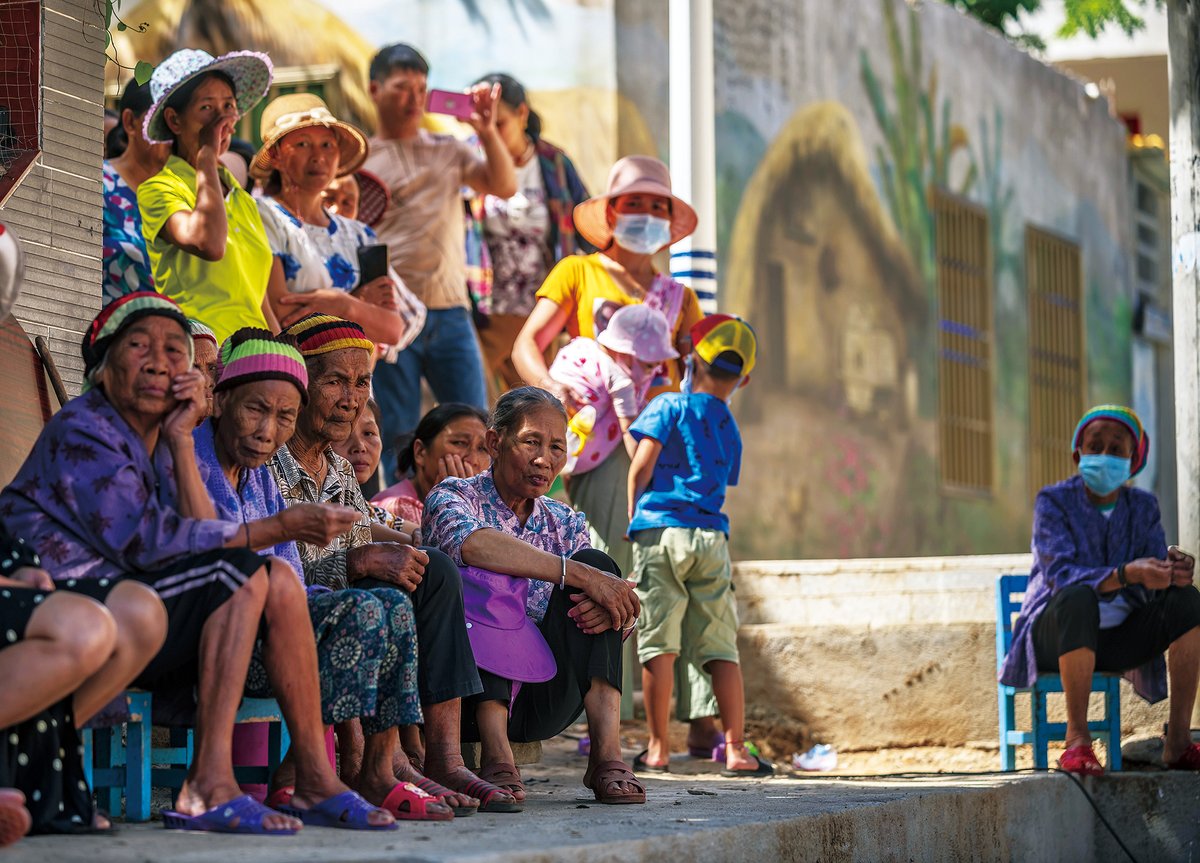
{"points": [[643, 175], [641, 331]]}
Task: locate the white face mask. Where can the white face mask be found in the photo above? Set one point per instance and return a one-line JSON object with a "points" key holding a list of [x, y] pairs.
{"points": [[641, 233]]}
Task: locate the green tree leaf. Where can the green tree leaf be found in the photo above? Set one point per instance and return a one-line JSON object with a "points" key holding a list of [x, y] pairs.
{"points": [[142, 71]]}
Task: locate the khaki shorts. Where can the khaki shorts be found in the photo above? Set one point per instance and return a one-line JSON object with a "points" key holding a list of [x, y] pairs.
{"points": [[684, 581]]}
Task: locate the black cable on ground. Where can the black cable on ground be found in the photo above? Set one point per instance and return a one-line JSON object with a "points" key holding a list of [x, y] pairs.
{"points": [[921, 775]]}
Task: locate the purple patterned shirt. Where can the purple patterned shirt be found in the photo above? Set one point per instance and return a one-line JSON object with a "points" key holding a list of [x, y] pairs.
{"points": [[456, 508], [94, 504], [1073, 543]]}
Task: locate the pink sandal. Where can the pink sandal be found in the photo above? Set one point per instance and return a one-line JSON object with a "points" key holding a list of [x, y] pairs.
{"points": [[407, 802], [1081, 760]]}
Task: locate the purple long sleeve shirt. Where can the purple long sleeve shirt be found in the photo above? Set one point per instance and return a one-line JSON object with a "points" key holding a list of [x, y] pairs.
{"points": [[95, 504], [1074, 543]]}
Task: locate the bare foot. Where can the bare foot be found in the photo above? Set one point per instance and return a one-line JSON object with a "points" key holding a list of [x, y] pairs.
{"points": [[658, 753], [739, 758], [702, 733]]}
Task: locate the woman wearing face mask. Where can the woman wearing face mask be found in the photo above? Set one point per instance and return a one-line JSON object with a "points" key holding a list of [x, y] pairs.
{"points": [[1106, 594], [637, 217]]}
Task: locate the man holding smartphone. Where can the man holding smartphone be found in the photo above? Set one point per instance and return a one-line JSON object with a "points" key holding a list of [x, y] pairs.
{"points": [[423, 228]]}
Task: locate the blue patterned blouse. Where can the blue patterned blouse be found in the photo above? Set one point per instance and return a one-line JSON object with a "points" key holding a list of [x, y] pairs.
{"points": [[126, 266], [456, 508], [315, 257]]}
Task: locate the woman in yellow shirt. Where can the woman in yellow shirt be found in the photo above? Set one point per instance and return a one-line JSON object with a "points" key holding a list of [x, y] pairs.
{"points": [[637, 217], [207, 246]]}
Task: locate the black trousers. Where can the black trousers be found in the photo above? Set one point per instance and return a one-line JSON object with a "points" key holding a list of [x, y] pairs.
{"points": [[543, 710], [445, 664], [1072, 621]]}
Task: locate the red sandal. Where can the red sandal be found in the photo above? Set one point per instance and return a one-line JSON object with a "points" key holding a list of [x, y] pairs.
{"points": [[1081, 760], [1189, 760], [407, 802]]}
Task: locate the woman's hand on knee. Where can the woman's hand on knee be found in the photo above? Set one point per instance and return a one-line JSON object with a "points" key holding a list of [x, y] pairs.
{"points": [[614, 595], [589, 616]]}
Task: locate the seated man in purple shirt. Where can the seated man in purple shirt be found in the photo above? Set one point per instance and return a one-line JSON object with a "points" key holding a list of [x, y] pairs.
{"points": [[1106, 594]]}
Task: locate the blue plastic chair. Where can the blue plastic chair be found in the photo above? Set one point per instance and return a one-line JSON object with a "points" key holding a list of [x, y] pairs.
{"points": [[1010, 592], [113, 768]]}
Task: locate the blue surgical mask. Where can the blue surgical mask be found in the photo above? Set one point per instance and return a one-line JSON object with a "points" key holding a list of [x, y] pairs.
{"points": [[641, 233], [1103, 474]]}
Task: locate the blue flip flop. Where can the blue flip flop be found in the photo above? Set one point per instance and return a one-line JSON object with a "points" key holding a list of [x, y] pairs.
{"points": [[347, 811], [240, 815]]}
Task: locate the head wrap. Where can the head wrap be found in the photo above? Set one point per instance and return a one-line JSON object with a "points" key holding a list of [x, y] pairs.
{"points": [[320, 334], [1127, 418], [253, 354], [200, 331], [725, 342], [118, 315]]}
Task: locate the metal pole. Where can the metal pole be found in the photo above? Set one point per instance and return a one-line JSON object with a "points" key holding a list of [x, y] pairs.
{"points": [[1183, 64], [693, 143]]}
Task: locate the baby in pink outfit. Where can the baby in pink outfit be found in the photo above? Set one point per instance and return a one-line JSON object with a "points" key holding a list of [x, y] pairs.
{"points": [[609, 377]]}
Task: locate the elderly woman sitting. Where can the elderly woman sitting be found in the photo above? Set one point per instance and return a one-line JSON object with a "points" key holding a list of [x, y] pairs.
{"points": [[112, 493], [1106, 594], [366, 640], [516, 545]]}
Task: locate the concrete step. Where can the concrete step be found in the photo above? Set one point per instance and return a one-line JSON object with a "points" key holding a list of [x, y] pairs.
{"points": [[1026, 818], [872, 592]]}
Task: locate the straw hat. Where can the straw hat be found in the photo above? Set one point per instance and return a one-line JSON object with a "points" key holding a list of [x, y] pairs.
{"points": [[300, 111], [250, 72], [633, 174]]}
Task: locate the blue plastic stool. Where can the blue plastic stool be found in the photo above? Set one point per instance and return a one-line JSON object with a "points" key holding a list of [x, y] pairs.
{"points": [[1010, 592], [113, 768]]}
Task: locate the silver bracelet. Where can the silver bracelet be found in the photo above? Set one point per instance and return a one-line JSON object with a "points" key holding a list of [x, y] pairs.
{"points": [[562, 582]]}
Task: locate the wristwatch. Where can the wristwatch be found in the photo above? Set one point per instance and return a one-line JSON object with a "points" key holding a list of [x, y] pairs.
{"points": [[1121, 576]]}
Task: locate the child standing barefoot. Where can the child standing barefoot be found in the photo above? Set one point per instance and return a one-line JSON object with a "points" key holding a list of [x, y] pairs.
{"points": [[688, 451]]}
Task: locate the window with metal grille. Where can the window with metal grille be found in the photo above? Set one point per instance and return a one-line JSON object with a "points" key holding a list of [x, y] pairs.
{"points": [[1057, 373], [966, 414], [20, 91]]}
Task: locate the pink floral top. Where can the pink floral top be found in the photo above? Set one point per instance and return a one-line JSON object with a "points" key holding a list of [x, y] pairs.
{"points": [[402, 501]]}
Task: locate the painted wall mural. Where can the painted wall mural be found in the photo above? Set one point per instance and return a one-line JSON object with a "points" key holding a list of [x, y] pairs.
{"points": [[855, 115]]}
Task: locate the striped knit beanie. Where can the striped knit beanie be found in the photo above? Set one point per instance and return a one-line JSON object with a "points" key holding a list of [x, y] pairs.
{"points": [[119, 314], [1127, 418], [200, 331], [253, 354], [320, 334]]}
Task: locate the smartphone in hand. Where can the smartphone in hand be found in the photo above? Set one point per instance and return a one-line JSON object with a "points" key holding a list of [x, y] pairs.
{"points": [[372, 262], [458, 105]]}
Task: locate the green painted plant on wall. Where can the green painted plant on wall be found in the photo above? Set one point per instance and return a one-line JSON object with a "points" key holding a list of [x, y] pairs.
{"points": [[919, 140]]}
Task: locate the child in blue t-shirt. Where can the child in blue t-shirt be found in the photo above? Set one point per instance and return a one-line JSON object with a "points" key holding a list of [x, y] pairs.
{"points": [[688, 451]]}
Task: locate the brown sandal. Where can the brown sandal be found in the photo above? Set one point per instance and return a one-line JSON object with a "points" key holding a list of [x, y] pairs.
{"points": [[605, 776], [506, 776]]}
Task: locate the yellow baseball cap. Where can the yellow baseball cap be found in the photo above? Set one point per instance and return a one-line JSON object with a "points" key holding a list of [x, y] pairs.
{"points": [[725, 342]]}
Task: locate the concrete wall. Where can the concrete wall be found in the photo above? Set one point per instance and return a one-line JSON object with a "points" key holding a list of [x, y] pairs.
{"points": [[56, 210], [886, 653]]}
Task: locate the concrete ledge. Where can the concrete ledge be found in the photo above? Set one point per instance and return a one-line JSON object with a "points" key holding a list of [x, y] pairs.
{"points": [[1030, 818]]}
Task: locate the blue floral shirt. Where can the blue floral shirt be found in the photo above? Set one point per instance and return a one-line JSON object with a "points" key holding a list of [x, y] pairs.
{"points": [[315, 257], [126, 265], [456, 508]]}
